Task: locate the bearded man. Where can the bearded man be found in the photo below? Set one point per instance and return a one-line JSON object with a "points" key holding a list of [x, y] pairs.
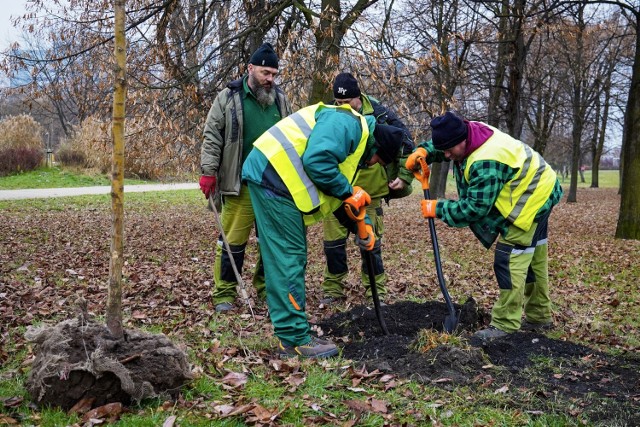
{"points": [[240, 113]]}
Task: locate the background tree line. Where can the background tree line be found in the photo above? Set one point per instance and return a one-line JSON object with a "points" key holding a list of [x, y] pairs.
{"points": [[560, 75]]}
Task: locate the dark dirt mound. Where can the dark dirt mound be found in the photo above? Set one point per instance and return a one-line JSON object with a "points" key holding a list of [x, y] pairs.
{"points": [[79, 360], [604, 387]]}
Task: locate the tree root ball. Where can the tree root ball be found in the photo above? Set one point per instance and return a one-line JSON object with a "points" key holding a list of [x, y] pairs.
{"points": [[78, 359]]}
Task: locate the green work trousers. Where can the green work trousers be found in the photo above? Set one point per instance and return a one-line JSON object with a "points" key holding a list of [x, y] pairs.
{"points": [[237, 219], [522, 270], [335, 251], [283, 243]]}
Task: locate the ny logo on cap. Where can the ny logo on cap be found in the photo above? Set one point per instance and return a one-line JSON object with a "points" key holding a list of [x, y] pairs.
{"points": [[342, 91]]}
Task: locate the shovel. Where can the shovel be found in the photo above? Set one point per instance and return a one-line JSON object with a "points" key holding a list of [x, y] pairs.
{"points": [[368, 258], [451, 320]]}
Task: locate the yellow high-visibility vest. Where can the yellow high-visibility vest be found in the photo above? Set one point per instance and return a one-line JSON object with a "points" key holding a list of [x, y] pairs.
{"points": [[522, 197], [283, 145]]}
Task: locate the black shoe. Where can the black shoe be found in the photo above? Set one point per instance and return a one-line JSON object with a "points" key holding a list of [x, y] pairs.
{"points": [[536, 327]]}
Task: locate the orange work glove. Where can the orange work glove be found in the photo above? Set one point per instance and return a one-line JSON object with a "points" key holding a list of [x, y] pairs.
{"points": [[366, 244], [412, 161], [358, 200], [429, 208]]}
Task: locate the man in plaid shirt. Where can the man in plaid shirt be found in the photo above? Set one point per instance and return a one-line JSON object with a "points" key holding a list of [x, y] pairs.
{"points": [[505, 189]]}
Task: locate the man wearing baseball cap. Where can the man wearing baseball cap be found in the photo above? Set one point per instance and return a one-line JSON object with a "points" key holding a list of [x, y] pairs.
{"points": [[381, 181]]}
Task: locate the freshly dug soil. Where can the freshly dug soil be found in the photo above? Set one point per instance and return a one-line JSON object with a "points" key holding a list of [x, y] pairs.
{"points": [[604, 387], [79, 360]]}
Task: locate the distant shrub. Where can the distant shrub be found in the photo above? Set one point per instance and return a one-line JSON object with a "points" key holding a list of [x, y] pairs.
{"points": [[151, 152], [19, 159], [91, 142], [20, 131], [69, 155]]}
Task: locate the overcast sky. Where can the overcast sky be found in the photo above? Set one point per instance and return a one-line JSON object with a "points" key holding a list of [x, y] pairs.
{"points": [[8, 9]]}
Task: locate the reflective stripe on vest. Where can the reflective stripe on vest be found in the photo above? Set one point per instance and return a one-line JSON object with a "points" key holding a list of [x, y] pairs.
{"points": [[284, 144], [522, 197]]}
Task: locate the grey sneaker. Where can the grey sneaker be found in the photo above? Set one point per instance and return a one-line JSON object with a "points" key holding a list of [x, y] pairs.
{"points": [[331, 300], [223, 307], [490, 333], [535, 327], [315, 348]]}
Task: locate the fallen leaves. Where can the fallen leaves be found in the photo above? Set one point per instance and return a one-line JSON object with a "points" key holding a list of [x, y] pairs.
{"points": [[369, 405], [251, 412], [55, 256], [110, 413], [235, 379]]}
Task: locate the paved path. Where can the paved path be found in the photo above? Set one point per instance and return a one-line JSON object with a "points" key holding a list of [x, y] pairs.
{"points": [[42, 193]]}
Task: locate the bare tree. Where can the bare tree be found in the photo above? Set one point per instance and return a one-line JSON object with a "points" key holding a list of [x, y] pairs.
{"points": [[114, 298], [442, 35], [518, 23], [329, 32], [543, 108]]}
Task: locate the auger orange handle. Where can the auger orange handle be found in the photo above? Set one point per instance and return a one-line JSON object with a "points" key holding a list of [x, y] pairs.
{"points": [[359, 218], [422, 175]]}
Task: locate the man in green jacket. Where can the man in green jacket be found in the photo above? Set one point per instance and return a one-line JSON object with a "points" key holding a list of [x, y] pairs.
{"points": [[299, 172], [376, 181], [505, 189], [238, 116]]}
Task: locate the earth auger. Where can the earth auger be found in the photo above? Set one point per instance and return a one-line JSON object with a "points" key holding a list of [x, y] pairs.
{"points": [[368, 258]]}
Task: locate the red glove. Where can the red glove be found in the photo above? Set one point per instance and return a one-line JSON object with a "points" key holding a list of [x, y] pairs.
{"points": [[412, 161], [358, 200], [368, 243], [429, 208], [207, 185]]}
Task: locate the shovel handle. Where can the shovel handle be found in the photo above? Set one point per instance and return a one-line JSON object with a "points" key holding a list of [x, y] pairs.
{"points": [[422, 175]]}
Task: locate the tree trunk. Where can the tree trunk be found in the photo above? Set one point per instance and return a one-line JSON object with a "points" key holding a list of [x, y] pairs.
{"points": [[596, 136], [114, 298], [577, 108], [495, 90], [328, 38], [516, 69], [629, 218]]}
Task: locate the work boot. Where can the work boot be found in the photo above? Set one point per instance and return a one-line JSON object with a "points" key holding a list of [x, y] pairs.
{"points": [[536, 327], [489, 334], [224, 307], [315, 348]]}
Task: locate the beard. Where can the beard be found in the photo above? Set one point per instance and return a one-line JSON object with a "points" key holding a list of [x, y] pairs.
{"points": [[264, 96]]}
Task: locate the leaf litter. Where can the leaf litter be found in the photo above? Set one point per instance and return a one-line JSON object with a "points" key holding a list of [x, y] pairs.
{"points": [[49, 258]]}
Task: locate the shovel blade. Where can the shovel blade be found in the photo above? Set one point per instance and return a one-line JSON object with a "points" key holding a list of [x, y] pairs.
{"points": [[450, 323]]}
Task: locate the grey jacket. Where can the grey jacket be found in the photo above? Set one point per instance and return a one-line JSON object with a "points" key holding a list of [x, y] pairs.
{"points": [[221, 152]]}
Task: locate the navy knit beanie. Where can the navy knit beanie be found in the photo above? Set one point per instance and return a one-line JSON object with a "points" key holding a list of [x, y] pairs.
{"points": [[264, 56], [388, 141], [345, 86], [448, 131]]}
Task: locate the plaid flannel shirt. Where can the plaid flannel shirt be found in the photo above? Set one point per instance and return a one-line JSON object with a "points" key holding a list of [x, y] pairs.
{"points": [[475, 207]]}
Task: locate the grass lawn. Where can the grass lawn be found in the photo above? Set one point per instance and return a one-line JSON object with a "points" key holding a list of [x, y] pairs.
{"points": [[57, 177]]}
